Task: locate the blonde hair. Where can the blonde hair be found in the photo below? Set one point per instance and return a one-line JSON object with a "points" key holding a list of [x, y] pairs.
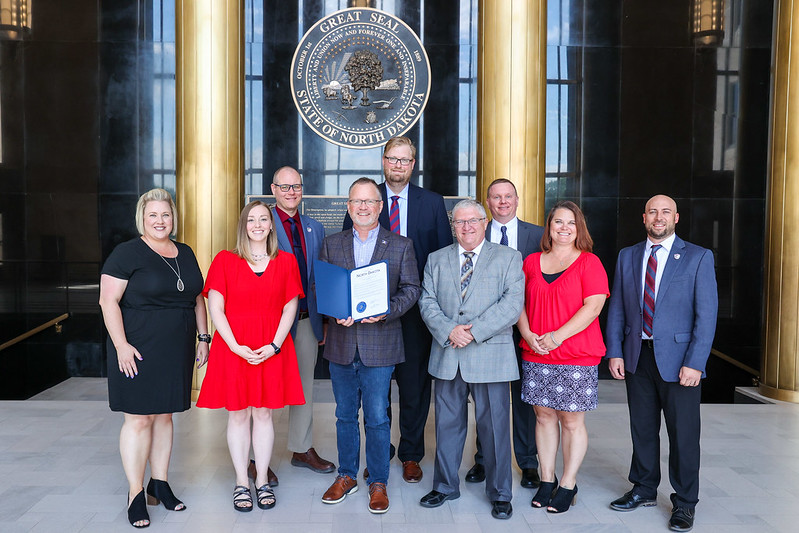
{"points": [[400, 141], [242, 248], [155, 195]]}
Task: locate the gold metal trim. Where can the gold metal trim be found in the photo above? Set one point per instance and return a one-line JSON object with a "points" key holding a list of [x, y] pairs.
{"points": [[511, 100], [19, 338], [778, 394], [734, 362]]}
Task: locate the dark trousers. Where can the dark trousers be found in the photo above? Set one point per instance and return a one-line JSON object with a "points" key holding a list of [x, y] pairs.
{"points": [[524, 448], [647, 396], [413, 383]]}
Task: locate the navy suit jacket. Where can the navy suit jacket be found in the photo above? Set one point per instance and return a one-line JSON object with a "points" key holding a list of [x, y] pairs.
{"points": [[684, 324], [314, 234], [378, 343], [428, 223], [528, 239]]}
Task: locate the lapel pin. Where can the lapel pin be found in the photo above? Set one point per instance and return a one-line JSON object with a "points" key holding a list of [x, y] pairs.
{"points": [[676, 256], [308, 230], [383, 242]]}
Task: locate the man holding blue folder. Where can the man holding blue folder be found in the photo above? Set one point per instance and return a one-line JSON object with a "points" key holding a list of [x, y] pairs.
{"points": [[362, 354]]}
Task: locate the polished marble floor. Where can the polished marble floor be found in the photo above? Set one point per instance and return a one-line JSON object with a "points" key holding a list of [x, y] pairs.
{"points": [[60, 472]]}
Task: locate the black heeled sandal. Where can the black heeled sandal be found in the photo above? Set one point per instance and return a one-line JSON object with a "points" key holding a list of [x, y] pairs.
{"points": [[265, 496], [546, 489], [562, 500], [137, 511], [159, 491]]}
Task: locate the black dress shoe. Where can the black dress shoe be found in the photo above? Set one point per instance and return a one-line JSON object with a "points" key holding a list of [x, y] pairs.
{"points": [[476, 474], [501, 510], [530, 478], [630, 501], [437, 499], [682, 519]]}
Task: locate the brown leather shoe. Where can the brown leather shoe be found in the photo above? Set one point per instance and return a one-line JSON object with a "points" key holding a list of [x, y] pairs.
{"points": [[342, 486], [378, 498], [311, 459], [271, 477], [411, 471]]}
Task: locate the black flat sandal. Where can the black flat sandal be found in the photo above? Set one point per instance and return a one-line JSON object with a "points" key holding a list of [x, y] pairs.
{"points": [[159, 491], [242, 496], [546, 489], [137, 511], [562, 500], [266, 496]]}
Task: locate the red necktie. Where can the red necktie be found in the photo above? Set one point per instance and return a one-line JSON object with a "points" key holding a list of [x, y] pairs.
{"points": [[649, 289], [393, 215]]}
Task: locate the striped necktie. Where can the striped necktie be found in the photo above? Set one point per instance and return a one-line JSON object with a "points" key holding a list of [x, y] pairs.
{"points": [[649, 289], [466, 272], [393, 214]]}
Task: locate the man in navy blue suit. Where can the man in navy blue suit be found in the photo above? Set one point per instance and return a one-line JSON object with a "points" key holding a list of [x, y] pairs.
{"points": [[420, 215], [302, 236], [505, 228], [660, 329]]}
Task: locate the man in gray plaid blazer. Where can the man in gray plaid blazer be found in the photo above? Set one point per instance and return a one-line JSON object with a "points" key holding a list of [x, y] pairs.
{"points": [[473, 293], [362, 355]]}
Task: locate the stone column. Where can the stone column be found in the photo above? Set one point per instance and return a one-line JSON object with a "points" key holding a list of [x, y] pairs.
{"points": [[779, 375], [511, 100], [210, 126]]}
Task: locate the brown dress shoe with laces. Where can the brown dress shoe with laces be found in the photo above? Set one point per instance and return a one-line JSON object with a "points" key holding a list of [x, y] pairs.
{"points": [[411, 471], [342, 486], [378, 498], [311, 459]]}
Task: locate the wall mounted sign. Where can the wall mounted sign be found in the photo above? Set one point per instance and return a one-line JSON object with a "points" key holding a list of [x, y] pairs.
{"points": [[359, 77]]}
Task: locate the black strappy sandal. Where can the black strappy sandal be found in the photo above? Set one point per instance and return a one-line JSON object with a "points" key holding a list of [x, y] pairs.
{"points": [[159, 491], [266, 496], [242, 496], [137, 511]]}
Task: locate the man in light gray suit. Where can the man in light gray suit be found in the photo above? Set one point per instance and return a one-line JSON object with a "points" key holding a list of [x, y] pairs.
{"points": [[506, 229], [472, 294]]}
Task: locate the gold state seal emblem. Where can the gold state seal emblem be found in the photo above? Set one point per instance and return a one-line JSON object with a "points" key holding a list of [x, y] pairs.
{"points": [[359, 77]]}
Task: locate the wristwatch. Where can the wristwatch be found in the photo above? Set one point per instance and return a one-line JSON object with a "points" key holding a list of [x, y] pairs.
{"points": [[204, 337], [276, 347]]}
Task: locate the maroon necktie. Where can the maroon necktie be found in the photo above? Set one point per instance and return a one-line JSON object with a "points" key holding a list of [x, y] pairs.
{"points": [[649, 289]]}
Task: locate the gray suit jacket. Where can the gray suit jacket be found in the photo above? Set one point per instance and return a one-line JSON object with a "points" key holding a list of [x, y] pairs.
{"points": [[379, 343], [314, 233], [493, 303]]}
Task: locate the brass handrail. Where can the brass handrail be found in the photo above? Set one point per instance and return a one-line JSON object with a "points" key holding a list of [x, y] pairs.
{"points": [[34, 331], [733, 362]]}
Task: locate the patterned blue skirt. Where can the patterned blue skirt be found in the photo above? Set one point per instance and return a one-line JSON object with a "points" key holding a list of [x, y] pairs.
{"points": [[568, 388]]}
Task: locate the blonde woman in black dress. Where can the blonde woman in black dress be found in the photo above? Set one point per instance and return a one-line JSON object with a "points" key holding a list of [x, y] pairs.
{"points": [[150, 295]]}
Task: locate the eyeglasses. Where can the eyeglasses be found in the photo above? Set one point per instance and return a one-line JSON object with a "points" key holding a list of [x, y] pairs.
{"points": [[359, 203], [394, 160], [285, 188], [470, 222]]}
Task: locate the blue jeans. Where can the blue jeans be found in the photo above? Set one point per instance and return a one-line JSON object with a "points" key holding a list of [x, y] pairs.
{"points": [[353, 384]]}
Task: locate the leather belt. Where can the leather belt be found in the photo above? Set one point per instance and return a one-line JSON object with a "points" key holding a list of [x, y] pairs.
{"points": [[303, 315], [650, 343]]}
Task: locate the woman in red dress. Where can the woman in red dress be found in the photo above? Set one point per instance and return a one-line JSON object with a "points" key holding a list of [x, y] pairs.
{"points": [[565, 290], [252, 297]]}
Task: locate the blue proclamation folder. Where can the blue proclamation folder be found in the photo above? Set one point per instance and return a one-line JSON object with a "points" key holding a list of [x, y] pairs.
{"points": [[334, 293]]}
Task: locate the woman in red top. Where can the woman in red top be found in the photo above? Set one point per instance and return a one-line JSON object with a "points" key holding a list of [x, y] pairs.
{"points": [[566, 287], [252, 368]]}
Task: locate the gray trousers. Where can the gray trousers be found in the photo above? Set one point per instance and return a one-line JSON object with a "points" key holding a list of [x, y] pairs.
{"points": [[301, 416], [491, 408]]}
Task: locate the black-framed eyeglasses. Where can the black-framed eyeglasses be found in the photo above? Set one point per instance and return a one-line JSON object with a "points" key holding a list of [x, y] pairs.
{"points": [[285, 187], [394, 160]]}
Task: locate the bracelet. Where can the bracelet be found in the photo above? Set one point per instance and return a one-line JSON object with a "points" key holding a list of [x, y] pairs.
{"points": [[552, 336], [204, 337]]}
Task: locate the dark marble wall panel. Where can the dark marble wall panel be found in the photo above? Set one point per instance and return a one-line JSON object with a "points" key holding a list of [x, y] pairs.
{"points": [[12, 67]]}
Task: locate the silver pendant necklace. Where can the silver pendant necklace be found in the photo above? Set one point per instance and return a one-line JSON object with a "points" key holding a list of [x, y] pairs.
{"points": [[177, 272]]}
